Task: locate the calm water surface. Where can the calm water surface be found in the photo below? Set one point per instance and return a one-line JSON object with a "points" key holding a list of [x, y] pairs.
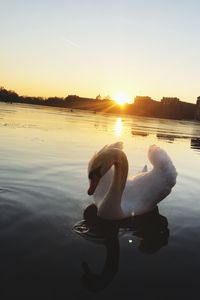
{"points": [[43, 191]]}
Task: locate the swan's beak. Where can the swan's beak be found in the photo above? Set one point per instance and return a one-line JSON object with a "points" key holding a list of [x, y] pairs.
{"points": [[93, 184]]}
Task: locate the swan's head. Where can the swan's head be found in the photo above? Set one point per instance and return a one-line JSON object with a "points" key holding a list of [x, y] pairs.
{"points": [[98, 166]]}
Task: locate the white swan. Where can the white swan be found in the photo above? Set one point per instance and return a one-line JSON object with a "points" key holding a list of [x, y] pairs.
{"points": [[115, 196]]}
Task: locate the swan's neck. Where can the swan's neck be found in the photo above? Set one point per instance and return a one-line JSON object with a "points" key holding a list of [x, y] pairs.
{"points": [[110, 207]]}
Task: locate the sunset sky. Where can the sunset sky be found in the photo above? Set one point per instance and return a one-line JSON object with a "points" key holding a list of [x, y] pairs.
{"points": [[107, 47]]}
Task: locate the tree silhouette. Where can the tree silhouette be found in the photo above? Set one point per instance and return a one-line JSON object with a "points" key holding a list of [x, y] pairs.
{"points": [[98, 97], [107, 98]]}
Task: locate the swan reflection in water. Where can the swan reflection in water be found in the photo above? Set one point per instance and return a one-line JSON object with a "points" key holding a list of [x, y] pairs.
{"points": [[151, 228]]}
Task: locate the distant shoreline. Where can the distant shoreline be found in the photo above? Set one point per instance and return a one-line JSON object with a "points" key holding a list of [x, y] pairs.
{"points": [[167, 108]]}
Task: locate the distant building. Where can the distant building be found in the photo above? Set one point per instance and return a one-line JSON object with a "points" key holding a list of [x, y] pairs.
{"points": [[197, 114], [143, 99], [145, 106], [170, 100], [173, 108]]}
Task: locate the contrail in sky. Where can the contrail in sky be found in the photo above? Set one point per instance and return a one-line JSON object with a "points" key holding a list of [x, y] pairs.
{"points": [[72, 43]]}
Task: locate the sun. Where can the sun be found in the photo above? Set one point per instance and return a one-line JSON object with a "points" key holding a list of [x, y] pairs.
{"points": [[121, 99]]}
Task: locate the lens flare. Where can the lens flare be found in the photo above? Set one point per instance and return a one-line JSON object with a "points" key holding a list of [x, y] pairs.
{"points": [[121, 99]]}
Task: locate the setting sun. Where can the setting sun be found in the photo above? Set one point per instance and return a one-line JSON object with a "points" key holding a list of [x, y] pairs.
{"points": [[121, 99]]}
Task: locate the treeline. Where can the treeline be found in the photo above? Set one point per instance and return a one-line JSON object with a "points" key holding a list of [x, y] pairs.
{"points": [[71, 101], [10, 96]]}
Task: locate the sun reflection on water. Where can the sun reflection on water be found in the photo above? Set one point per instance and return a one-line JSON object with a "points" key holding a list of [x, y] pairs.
{"points": [[118, 127]]}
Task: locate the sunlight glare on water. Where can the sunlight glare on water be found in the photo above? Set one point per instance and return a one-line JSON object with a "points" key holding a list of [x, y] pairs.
{"points": [[118, 127]]}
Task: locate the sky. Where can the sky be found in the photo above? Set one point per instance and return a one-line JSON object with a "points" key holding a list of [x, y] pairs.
{"points": [[107, 47]]}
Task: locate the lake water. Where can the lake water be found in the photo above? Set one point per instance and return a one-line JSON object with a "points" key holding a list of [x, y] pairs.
{"points": [[43, 191]]}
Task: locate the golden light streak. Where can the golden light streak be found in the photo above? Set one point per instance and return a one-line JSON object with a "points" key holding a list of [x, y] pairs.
{"points": [[118, 127]]}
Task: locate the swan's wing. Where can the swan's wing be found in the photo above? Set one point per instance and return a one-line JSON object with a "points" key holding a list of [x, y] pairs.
{"points": [[162, 162], [158, 157], [146, 189]]}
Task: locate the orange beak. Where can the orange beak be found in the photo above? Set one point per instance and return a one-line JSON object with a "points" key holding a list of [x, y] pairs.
{"points": [[93, 184]]}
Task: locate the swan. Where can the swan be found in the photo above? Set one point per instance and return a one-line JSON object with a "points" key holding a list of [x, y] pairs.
{"points": [[117, 197]]}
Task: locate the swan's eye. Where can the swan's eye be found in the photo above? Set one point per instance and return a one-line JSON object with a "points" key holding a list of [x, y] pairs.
{"points": [[95, 173]]}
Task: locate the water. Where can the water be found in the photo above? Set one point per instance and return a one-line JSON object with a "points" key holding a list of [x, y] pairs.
{"points": [[43, 183]]}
